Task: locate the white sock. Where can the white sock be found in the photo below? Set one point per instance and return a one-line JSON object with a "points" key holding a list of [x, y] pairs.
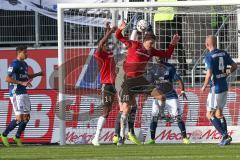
{"points": [[101, 121], [123, 123]]}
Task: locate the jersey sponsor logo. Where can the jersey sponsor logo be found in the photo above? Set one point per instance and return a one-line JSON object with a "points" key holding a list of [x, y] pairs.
{"points": [[221, 54], [23, 75], [221, 75]]}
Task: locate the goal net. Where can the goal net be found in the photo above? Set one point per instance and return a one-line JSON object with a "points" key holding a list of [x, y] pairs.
{"points": [[81, 26]]}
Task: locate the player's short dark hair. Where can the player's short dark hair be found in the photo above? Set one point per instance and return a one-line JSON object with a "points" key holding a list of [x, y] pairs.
{"points": [[21, 48], [149, 36]]}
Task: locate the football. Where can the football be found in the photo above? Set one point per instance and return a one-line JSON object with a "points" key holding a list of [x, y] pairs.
{"points": [[142, 25]]}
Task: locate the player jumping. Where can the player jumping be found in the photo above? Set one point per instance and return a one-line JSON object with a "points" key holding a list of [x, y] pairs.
{"points": [[19, 79], [119, 80], [134, 66], [159, 75], [106, 63], [216, 62]]}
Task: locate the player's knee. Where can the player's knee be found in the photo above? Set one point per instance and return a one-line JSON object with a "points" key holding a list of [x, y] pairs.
{"points": [[126, 108], [161, 98], [19, 118], [26, 117], [218, 114], [209, 115]]}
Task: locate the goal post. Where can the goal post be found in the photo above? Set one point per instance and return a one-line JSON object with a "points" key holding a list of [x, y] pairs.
{"points": [[79, 79]]}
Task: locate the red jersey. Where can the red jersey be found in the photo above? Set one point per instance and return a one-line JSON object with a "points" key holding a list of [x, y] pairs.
{"points": [[138, 57], [106, 65]]}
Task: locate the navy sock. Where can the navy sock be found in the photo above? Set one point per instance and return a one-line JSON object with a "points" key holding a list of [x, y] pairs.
{"points": [[224, 124], [117, 124], [21, 127], [131, 120], [153, 126], [10, 127], [217, 124], [182, 128]]}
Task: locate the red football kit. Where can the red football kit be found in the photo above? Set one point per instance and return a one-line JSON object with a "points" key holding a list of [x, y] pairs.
{"points": [[106, 65], [138, 57]]}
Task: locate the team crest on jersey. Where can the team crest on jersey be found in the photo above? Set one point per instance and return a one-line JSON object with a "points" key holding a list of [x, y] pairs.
{"points": [[166, 73], [10, 69]]}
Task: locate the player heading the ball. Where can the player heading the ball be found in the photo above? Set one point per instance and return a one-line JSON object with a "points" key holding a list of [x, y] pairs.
{"points": [[139, 53]]}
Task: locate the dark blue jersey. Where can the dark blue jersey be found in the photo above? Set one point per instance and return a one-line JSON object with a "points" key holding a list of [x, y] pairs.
{"points": [[217, 61], [18, 70], [164, 72]]}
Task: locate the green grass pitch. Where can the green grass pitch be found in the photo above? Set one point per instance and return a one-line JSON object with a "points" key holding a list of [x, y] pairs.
{"points": [[131, 152]]}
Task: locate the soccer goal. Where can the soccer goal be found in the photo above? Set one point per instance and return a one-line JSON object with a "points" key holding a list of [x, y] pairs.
{"points": [[81, 25]]}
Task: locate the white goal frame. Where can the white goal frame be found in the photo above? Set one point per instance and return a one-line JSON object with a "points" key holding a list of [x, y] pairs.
{"points": [[62, 6]]}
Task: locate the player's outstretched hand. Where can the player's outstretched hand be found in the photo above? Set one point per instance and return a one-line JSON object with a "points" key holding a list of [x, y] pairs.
{"points": [[108, 27], [113, 29], [175, 39], [183, 94], [27, 84], [122, 25], [228, 72]]}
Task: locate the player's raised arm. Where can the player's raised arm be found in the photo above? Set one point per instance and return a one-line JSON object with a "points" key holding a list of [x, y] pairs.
{"points": [[167, 53], [134, 34], [108, 33], [120, 37]]}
